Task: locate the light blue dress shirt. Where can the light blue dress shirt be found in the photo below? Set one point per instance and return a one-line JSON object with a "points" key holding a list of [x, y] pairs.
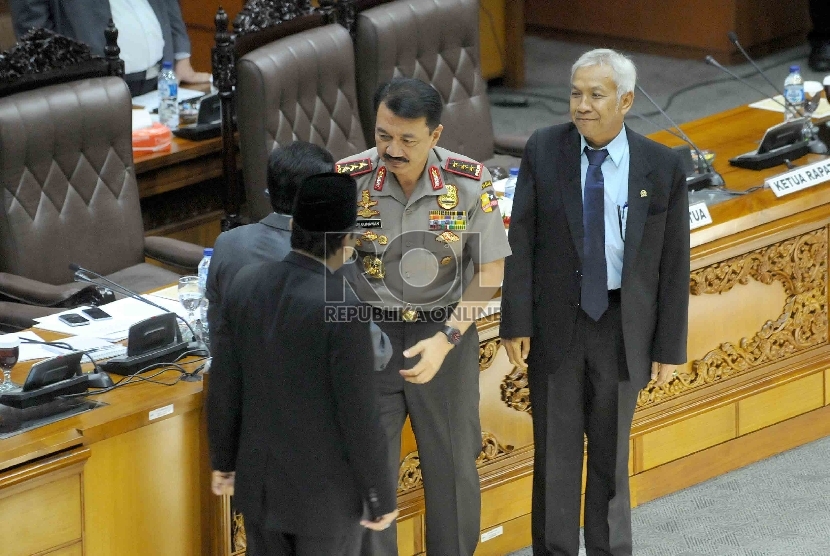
{"points": [[615, 174]]}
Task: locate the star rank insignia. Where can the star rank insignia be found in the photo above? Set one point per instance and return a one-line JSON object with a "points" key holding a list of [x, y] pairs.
{"points": [[448, 200], [366, 205], [466, 168], [435, 178], [447, 237], [354, 167]]}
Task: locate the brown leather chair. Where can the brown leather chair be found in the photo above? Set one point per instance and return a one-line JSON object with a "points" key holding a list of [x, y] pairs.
{"points": [[69, 194], [299, 87], [435, 41]]}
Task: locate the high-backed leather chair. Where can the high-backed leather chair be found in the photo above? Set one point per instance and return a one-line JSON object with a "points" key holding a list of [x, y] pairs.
{"points": [[300, 87], [69, 195], [435, 41]]}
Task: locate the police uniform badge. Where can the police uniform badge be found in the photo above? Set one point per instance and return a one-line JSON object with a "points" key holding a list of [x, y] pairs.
{"points": [[373, 266], [366, 204], [449, 200], [488, 201], [409, 314], [466, 168], [455, 220], [447, 237], [354, 167]]}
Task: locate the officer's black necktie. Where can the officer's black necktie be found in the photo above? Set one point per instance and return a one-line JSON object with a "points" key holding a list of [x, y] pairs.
{"points": [[594, 272]]}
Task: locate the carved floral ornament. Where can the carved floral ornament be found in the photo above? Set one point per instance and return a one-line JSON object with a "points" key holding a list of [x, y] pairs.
{"points": [[409, 473], [799, 264]]}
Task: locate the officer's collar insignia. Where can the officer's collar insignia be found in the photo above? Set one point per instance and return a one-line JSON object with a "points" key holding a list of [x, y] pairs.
{"points": [[380, 178], [354, 167], [466, 168], [435, 178]]}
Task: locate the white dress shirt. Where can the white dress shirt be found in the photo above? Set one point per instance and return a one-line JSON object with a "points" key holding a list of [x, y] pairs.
{"points": [[139, 34]]}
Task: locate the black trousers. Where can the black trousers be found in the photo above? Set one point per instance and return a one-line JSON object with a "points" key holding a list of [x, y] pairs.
{"points": [[588, 395], [264, 542], [445, 420], [820, 16]]}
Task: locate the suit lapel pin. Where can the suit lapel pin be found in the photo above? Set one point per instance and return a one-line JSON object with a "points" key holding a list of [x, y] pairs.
{"points": [[643, 193]]}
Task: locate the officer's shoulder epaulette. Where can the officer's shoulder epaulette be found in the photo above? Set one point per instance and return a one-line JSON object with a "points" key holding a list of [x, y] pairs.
{"points": [[354, 167], [467, 168]]}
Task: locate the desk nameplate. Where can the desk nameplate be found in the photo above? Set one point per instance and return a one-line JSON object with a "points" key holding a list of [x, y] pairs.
{"points": [[799, 178], [699, 216]]}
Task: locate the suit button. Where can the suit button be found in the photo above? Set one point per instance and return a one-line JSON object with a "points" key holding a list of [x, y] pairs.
{"points": [[408, 211]]}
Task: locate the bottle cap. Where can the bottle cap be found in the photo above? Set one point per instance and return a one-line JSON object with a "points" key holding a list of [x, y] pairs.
{"points": [[208, 251], [514, 171], [167, 65], [794, 69]]}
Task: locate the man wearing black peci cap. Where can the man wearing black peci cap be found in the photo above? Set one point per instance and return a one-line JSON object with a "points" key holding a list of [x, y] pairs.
{"points": [[293, 416]]}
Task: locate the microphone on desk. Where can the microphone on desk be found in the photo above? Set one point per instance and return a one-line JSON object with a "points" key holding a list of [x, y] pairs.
{"points": [[83, 275], [699, 179], [733, 38]]}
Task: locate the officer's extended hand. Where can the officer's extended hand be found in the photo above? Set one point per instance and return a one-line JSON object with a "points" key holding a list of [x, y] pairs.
{"points": [[383, 522], [432, 350], [517, 350], [661, 373]]}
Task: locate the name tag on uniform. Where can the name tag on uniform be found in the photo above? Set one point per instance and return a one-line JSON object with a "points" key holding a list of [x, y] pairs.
{"points": [[455, 220], [369, 223]]}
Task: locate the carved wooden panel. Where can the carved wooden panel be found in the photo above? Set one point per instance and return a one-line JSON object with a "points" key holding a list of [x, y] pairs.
{"points": [[410, 476], [798, 263]]}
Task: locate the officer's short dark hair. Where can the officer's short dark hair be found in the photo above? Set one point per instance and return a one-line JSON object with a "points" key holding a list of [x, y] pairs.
{"points": [[288, 166], [318, 244], [411, 99]]}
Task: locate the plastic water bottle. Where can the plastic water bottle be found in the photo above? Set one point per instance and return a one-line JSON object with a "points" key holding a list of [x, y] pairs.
{"points": [[168, 96], [204, 266], [510, 184], [793, 93]]}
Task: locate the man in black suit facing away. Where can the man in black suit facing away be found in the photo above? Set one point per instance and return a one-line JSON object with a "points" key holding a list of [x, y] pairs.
{"points": [[595, 300], [293, 416]]}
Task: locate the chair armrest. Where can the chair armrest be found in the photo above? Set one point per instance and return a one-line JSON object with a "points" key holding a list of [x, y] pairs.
{"points": [[174, 252], [34, 292], [513, 145], [19, 316]]}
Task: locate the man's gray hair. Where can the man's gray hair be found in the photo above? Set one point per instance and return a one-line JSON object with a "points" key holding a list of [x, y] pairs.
{"points": [[622, 68]]}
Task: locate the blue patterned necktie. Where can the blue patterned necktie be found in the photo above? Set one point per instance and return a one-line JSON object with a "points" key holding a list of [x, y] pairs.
{"points": [[594, 272]]}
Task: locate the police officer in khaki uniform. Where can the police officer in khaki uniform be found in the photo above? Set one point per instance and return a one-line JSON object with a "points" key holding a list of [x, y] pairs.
{"points": [[430, 219]]}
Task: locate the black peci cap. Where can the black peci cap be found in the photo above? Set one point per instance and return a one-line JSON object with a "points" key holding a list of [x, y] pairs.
{"points": [[326, 203]]}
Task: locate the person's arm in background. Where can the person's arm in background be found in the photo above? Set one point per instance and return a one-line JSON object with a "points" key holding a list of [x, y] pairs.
{"points": [[181, 47], [29, 14]]}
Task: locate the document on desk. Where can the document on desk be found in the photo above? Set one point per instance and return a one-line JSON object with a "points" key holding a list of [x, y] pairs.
{"points": [[125, 313], [822, 111], [150, 101]]}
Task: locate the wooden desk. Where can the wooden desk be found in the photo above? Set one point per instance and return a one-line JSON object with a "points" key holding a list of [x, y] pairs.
{"points": [[109, 481]]}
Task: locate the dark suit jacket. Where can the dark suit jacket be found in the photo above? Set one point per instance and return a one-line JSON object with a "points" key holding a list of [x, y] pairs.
{"points": [[268, 240], [291, 404], [541, 292], [85, 21]]}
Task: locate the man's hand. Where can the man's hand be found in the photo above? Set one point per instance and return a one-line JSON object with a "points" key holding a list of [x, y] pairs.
{"points": [[517, 350], [661, 373], [433, 350], [186, 74], [222, 482], [381, 523]]}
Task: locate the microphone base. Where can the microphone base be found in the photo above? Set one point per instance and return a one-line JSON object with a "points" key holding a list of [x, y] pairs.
{"points": [[696, 182], [754, 161], [100, 379]]}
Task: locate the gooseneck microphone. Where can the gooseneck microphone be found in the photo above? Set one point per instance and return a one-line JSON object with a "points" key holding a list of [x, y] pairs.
{"points": [[83, 275], [733, 38], [709, 178], [712, 62]]}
